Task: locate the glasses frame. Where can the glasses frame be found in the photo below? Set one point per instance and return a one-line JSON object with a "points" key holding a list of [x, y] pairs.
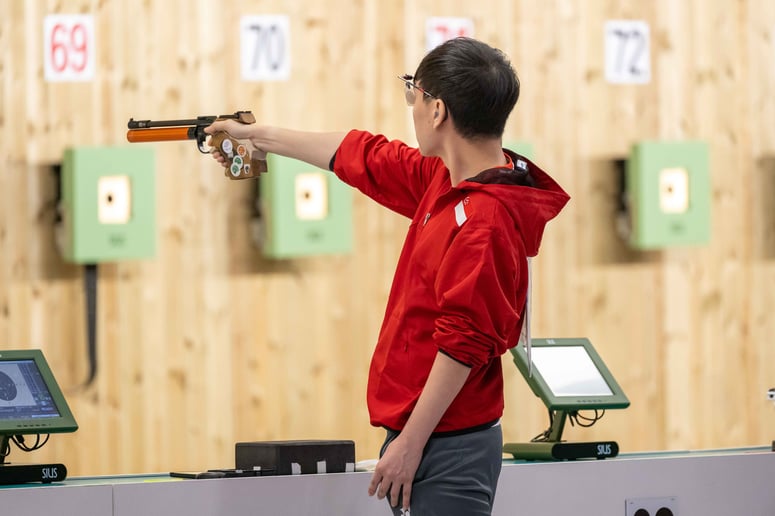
{"points": [[410, 87]]}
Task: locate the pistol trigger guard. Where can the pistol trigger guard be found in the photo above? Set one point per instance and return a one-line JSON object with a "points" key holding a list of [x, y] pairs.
{"points": [[203, 147]]}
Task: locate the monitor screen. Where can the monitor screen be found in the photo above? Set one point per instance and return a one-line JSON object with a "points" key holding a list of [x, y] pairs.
{"points": [[568, 374], [30, 399]]}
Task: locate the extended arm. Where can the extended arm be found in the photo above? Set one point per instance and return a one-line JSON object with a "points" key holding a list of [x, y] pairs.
{"points": [[396, 469], [315, 148]]}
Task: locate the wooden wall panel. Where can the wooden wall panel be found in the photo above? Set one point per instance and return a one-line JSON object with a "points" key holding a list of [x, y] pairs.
{"points": [[210, 344]]}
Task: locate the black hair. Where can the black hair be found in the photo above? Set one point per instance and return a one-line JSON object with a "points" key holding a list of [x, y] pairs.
{"points": [[476, 82]]}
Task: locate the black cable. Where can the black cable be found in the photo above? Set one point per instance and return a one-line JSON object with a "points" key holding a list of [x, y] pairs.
{"points": [[544, 436], [575, 418], [6, 450], [18, 440], [90, 293], [89, 282], [583, 421]]}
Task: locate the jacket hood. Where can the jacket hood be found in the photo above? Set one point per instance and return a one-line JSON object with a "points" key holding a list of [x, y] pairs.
{"points": [[529, 194]]}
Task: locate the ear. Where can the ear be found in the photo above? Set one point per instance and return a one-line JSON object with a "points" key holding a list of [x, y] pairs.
{"points": [[439, 112]]}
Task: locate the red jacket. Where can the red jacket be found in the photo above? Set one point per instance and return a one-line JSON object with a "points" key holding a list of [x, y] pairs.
{"points": [[461, 281]]}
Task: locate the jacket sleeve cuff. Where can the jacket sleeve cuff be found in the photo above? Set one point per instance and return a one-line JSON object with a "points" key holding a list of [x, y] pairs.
{"points": [[455, 359]]}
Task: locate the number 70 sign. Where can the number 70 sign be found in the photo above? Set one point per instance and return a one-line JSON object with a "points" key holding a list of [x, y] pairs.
{"points": [[68, 47], [265, 48]]}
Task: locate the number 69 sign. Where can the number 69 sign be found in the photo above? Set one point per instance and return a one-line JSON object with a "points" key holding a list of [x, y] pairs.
{"points": [[68, 47]]}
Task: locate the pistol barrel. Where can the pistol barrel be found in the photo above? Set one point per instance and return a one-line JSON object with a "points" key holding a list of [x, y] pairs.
{"points": [[161, 134]]}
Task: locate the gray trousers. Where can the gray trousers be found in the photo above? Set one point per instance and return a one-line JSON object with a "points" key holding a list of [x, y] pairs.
{"points": [[457, 474]]}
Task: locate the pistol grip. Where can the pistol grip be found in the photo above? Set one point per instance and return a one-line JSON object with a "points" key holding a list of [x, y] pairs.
{"points": [[236, 152]]}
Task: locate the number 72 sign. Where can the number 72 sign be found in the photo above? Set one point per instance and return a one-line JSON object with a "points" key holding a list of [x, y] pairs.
{"points": [[440, 29], [627, 52]]}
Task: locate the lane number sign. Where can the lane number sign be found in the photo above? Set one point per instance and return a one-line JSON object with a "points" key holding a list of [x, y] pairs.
{"points": [[265, 48], [627, 52], [440, 29], [68, 47]]}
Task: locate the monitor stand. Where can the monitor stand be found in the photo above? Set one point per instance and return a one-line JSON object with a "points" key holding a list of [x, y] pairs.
{"points": [[554, 448], [25, 473]]}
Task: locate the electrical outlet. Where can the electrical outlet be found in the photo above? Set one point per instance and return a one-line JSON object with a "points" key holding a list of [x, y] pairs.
{"points": [[663, 506], [114, 199], [311, 196]]}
